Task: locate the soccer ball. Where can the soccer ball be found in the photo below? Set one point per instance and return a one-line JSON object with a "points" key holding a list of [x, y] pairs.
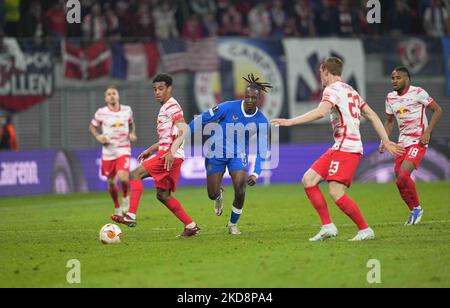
{"points": [[110, 234]]}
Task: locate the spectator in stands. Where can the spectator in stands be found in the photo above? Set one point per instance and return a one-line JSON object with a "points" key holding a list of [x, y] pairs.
{"points": [[259, 21], [94, 24], [125, 18], [8, 139], [400, 18], [55, 21], [347, 19], [2, 13], [210, 25], [304, 18], [145, 25], [31, 25], [165, 22], [327, 18], [13, 9], [202, 7], [291, 30], [231, 22], [436, 19], [112, 23], [278, 18], [192, 29]]}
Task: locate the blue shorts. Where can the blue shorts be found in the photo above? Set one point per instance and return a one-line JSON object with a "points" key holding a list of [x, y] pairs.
{"points": [[218, 165]]}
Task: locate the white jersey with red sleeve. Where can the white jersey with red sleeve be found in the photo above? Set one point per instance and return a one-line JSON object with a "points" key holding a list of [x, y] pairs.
{"points": [[345, 116], [115, 126], [409, 110], [169, 113]]}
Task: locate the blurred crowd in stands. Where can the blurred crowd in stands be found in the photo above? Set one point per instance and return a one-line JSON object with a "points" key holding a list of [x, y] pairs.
{"points": [[195, 19]]}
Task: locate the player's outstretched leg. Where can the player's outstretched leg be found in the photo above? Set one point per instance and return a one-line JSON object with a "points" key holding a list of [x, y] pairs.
{"points": [[215, 191], [351, 209], [408, 192], [136, 177], [310, 182], [190, 227]]}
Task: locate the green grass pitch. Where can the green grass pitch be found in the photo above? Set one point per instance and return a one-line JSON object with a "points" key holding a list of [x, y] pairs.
{"points": [[40, 234]]}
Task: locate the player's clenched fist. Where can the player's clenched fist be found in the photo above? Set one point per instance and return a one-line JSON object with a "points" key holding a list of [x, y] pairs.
{"points": [[102, 139]]}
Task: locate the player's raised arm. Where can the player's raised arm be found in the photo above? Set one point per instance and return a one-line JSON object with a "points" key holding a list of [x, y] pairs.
{"points": [[320, 112], [371, 115], [437, 113]]}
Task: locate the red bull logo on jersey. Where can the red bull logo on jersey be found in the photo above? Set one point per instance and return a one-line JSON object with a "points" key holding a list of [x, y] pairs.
{"points": [[403, 110], [118, 124]]}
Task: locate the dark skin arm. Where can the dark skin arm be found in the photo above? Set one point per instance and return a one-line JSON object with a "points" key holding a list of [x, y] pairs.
{"points": [[437, 114]]}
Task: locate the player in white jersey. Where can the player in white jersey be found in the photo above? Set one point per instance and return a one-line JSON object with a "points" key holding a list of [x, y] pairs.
{"points": [[338, 165], [117, 133], [407, 104], [165, 165]]}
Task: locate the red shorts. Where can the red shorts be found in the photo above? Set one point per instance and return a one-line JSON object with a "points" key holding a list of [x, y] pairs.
{"points": [[166, 180], [337, 166], [111, 167], [414, 154]]}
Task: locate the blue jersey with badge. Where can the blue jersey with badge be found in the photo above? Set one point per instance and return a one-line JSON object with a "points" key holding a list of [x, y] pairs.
{"points": [[232, 140]]}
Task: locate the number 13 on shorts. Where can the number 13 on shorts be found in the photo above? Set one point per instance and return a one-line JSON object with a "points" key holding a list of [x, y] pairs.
{"points": [[334, 168]]}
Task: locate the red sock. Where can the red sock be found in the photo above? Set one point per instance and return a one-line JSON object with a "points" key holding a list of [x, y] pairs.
{"points": [[178, 211], [407, 189], [136, 193], [125, 186], [114, 192], [315, 196], [351, 209]]}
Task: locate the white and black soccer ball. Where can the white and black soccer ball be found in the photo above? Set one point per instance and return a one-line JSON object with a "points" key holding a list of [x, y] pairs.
{"points": [[110, 234]]}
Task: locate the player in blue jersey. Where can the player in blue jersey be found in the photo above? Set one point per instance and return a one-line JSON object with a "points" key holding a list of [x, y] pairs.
{"points": [[235, 123]]}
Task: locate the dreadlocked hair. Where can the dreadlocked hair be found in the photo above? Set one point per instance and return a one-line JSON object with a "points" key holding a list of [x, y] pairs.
{"points": [[253, 83]]}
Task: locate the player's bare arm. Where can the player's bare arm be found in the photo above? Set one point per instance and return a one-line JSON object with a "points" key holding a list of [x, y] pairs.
{"points": [[388, 126], [320, 112], [437, 113], [182, 132], [371, 115], [132, 135], [99, 137]]}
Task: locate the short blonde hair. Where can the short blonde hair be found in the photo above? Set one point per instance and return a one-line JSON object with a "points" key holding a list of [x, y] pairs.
{"points": [[333, 65]]}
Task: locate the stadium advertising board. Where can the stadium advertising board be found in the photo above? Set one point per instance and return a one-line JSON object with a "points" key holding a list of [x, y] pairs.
{"points": [[27, 79], [26, 173], [304, 86], [45, 172]]}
